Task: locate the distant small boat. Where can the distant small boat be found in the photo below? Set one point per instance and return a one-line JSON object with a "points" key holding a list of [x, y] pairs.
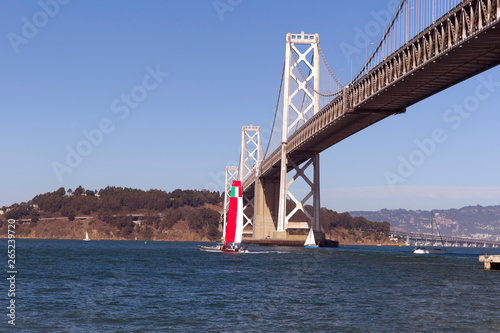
{"points": [[221, 248], [86, 237], [310, 241], [428, 250], [432, 249]]}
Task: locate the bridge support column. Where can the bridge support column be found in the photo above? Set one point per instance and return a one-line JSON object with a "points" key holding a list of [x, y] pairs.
{"points": [[282, 192], [266, 208], [250, 158], [300, 103], [316, 195]]}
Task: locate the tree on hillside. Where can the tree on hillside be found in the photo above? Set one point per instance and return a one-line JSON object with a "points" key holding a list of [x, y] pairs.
{"points": [[78, 191], [18, 211], [331, 220], [210, 219], [34, 216], [61, 192], [172, 216]]}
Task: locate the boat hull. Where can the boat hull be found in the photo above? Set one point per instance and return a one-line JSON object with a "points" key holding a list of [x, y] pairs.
{"points": [[209, 248], [423, 250], [234, 251], [219, 248]]}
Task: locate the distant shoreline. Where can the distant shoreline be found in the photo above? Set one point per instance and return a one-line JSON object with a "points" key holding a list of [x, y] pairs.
{"points": [[193, 241]]}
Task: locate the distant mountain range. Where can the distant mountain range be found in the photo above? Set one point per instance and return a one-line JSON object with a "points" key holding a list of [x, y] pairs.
{"points": [[472, 221]]}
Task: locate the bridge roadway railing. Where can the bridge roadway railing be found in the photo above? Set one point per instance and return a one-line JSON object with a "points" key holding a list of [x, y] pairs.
{"points": [[460, 24], [327, 115]]}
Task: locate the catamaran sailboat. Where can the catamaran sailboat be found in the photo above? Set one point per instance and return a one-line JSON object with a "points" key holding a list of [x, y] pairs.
{"points": [[433, 249], [234, 225], [310, 241]]}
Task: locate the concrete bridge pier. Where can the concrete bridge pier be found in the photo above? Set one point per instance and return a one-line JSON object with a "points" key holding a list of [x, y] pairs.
{"points": [[266, 195], [266, 207]]}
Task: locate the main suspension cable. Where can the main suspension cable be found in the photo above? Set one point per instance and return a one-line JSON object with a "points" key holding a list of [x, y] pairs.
{"points": [[328, 66], [307, 82], [381, 42], [276, 111]]}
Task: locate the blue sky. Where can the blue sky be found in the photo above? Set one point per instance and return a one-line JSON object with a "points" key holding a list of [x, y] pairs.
{"points": [[153, 94]]}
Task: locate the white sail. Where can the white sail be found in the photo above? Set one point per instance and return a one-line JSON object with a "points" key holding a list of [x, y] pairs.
{"points": [[86, 236], [310, 241]]}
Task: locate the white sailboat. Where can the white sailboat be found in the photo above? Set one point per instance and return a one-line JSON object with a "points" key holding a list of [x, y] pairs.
{"points": [[432, 249], [310, 241], [86, 236]]}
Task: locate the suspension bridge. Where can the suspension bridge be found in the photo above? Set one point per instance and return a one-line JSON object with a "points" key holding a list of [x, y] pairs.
{"points": [[429, 46]]}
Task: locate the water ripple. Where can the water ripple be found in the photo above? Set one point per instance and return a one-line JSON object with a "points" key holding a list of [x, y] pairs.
{"points": [[72, 286]]}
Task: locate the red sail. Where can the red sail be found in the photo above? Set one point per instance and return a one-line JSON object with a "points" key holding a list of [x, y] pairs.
{"points": [[231, 219], [232, 214]]}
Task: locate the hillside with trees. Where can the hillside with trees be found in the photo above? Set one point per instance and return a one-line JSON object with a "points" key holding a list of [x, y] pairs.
{"points": [[126, 213]]}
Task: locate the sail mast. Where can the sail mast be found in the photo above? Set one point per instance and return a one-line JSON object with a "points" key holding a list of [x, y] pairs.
{"points": [[439, 232]]}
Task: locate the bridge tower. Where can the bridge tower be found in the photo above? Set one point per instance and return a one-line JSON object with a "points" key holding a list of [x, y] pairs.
{"points": [[250, 158], [300, 102]]}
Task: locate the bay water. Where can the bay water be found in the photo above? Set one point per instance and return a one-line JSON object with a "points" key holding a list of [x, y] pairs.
{"points": [[133, 286]]}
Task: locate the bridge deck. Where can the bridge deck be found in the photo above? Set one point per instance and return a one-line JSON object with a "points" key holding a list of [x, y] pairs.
{"points": [[403, 79], [459, 63]]}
